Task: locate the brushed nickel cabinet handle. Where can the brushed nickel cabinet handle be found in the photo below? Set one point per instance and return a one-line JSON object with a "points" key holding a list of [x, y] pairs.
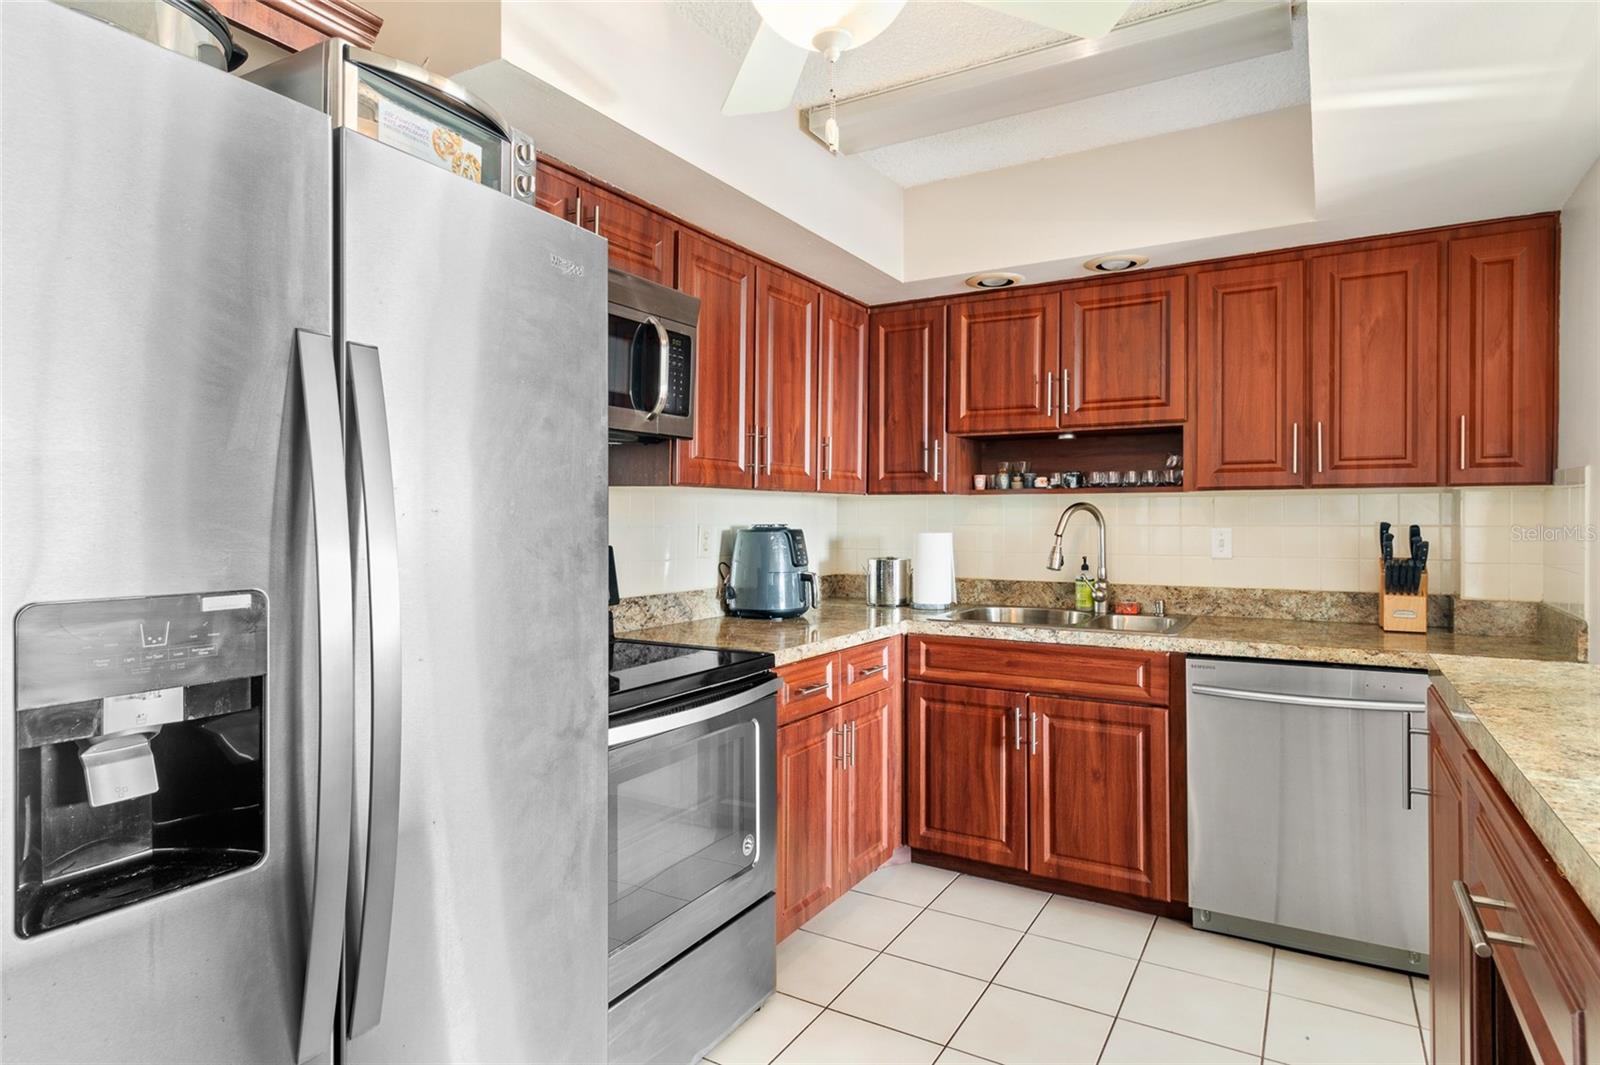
{"points": [[838, 754], [596, 219], [1319, 446], [1033, 734], [1463, 441], [1049, 394], [810, 689], [853, 743], [1016, 725], [1066, 392], [871, 671], [936, 464], [1294, 449], [1481, 939]]}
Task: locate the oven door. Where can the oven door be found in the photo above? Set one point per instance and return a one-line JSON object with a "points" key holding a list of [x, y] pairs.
{"points": [[692, 826], [649, 370]]}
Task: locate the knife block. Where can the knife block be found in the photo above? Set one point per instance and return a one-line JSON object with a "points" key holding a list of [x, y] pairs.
{"points": [[1403, 613]]}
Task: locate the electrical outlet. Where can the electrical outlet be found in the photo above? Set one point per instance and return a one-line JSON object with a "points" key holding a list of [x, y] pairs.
{"points": [[702, 541], [1221, 543]]}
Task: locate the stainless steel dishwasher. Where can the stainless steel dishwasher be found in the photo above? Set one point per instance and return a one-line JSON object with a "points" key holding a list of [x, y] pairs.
{"points": [[1308, 819]]}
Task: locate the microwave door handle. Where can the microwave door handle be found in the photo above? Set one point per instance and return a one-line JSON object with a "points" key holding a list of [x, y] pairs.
{"points": [[367, 956], [319, 399], [666, 357]]}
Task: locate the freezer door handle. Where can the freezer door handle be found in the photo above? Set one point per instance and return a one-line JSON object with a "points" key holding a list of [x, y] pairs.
{"points": [[372, 481], [1326, 701], [319, 408]]}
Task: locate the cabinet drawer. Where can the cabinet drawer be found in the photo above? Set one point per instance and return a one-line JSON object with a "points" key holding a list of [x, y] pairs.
{"points": [[1553, 973], [867, 669], [808, 686], [1108, 673]]}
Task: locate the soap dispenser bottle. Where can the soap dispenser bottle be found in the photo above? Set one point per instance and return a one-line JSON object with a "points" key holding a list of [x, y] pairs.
{"points": [[1083, 593]]}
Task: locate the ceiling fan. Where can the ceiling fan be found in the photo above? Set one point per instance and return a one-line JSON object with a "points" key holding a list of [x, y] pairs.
{"points": [[792, 29]]}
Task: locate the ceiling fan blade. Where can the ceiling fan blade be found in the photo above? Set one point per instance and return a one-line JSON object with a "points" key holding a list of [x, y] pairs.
{"points": [[767, 79], [1081, 18]]}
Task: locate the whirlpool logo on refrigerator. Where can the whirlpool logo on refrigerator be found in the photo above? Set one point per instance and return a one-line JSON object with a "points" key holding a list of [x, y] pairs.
{"points": [[566, 266]]}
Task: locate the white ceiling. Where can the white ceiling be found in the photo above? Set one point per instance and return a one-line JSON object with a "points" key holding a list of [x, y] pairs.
{"points": [[932, 38]]}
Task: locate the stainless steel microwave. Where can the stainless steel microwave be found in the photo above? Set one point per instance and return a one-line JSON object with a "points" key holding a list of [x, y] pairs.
{"points": [[650, 343]]}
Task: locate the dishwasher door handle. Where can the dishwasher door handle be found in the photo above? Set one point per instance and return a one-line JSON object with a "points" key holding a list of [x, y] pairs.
{"points": [[1326, 702]]}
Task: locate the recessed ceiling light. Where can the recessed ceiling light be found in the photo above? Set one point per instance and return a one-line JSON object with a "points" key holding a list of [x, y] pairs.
{"points": [[994, 280], [1111, 264]]}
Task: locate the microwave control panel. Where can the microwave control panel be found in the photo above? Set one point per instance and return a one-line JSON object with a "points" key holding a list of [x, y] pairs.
{"points": [[678, 383]]}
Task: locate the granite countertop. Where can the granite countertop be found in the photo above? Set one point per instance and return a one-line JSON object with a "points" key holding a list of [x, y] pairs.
{"points": [[840, 623], [1536, 725]]}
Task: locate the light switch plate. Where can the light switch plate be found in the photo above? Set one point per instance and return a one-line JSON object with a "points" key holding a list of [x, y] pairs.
{"points": [[1221, 543]]}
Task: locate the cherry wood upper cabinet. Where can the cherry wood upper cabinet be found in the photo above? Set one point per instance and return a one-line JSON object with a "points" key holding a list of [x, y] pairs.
{"points": [[809, 876], [1099, 795], [1127, 354], [556, 192], [967, 773], [1005, 360], [1250, 423], [842, 400], [871, 789], [787, 313], [1375, 366], [721, 454], [641, 241], [906, 399], [1500, 360]]}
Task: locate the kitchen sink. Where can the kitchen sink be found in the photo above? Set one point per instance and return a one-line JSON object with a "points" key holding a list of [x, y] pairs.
{"points": [[1019, 615], [1140, 623], [1063, 619]]}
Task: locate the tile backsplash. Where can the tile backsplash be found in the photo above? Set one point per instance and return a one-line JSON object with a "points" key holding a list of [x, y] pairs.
{"points": [[1486, 543]]}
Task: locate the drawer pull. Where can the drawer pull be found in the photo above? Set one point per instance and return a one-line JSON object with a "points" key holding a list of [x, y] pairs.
{"points": [[1481, 939], [872, 671], [810, 689], [1016, 725]]}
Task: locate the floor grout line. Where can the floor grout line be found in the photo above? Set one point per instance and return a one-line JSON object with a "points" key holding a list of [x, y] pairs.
{"points": [[1117, 1016], [1266, 1019], [957, 1030]]}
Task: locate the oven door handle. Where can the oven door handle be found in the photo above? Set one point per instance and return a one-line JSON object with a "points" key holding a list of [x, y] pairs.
{"points": [[664, 344], [655, 726]]}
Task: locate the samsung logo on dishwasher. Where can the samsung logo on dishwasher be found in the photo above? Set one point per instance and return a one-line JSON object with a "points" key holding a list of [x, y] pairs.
{"points": [[566, 266]]}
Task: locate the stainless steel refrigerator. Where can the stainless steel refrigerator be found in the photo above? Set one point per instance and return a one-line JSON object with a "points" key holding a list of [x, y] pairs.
{"points": [[302, 511]]}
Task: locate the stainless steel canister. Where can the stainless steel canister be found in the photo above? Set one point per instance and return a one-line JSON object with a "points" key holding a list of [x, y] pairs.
{"points": [[888, 581]]}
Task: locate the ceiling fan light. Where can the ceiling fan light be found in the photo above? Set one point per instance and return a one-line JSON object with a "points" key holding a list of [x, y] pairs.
{"points": [[814, 24]]}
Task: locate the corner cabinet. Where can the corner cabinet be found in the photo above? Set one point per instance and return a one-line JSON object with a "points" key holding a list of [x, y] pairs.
{"points": [[1375, 328], [1249, 427], [1500, 358], [906, 401], [1126, 361], [722, 452], [1005, 360], [842, 397]]}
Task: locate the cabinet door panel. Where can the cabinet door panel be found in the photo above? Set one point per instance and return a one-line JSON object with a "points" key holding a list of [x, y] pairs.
{"points": [[1127, 361], [1250, 377], [1005, 360], [720, 454], [842, 410], [640, 241], [869, 808], [967, 788], [787, 311], [907, 398], [1100, 800], [1501, 359], [556, 192], [1375, 366], [809, 876], [1450, 958]]}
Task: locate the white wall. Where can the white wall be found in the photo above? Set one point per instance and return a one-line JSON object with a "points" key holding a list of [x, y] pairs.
{"points": [[1579, 444], [1311, 540]]}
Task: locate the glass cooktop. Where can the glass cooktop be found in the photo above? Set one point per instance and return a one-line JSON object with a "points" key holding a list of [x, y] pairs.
{"points": [[644, 673]]}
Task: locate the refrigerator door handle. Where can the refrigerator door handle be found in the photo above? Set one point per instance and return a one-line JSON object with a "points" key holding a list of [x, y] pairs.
{"points": [[319, 400], [371, 463]]}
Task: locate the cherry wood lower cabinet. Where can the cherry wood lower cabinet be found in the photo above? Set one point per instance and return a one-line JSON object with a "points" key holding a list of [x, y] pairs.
{"points": [[1098, 781], [839, 778], [967, 773], [1531, 990], [1071, 788]]}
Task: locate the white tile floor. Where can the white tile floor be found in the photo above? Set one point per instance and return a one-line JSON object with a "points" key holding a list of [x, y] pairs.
{"points": [[920, 965]]}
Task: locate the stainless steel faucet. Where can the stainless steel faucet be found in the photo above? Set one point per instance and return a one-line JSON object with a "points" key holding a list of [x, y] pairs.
{"points": [[1058, 559]]}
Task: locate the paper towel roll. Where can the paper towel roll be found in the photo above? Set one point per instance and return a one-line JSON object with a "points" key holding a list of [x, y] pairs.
{"points": [[933, 571]]}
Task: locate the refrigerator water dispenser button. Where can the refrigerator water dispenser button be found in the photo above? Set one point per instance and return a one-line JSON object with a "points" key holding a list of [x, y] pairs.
{"points": [[119, 768], [123, 712]]}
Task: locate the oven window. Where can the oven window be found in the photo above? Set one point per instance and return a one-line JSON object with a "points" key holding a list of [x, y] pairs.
{"points": [[683, 820]]}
